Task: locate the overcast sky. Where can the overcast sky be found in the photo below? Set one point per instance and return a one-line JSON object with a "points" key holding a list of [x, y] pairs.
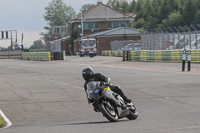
{"points": [[26, 16]]}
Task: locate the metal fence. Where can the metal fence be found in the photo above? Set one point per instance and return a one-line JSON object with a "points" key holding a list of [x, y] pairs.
{"points": [[53, 46], [171, 38]]}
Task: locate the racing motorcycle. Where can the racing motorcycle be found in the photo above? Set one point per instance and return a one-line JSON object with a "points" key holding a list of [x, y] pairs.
{"points": [[109, 103]]}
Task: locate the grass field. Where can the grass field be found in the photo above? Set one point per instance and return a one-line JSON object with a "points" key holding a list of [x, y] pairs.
{"points": [[1, 122]]}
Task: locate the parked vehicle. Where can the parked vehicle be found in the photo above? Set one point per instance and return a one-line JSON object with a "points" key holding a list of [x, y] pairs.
{"points": [[130, 47], [110, 104], [88, 47]]}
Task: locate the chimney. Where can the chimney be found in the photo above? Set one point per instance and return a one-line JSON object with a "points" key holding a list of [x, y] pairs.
{"points": [[99, 2]]}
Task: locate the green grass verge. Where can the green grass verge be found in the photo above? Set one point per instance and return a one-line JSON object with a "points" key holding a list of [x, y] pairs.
{"points": [[1, 122]]}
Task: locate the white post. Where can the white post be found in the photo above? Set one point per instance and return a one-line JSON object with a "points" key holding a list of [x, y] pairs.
{"points": [[82, 23]]}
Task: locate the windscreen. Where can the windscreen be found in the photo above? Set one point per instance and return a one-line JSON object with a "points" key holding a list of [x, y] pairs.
{"points": [[88, 43], [92, 85]]}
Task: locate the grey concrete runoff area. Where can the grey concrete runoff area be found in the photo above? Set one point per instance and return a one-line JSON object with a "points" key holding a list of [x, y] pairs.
{"points": [[48, 96]]}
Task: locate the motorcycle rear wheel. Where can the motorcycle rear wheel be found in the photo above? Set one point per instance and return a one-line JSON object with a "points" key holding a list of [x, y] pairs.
{"points": [[111, 115]]}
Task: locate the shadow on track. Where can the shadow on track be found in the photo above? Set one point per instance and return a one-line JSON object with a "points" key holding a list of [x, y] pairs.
{"points": [[93, 123]]}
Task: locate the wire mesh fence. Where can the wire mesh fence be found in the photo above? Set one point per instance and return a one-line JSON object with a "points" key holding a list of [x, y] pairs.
{"points": [[53, 46], [171, 38]]}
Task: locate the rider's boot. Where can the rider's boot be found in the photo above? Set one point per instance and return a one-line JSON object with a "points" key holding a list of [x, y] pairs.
{"points": [[128, 100]]}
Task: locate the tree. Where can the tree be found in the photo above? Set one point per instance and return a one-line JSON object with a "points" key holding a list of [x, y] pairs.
{"points": [[197, 17], [139, 7], [37, 45], [132, 6], [188, 12], [58, 13], [124, 5], [139, 24], [148, 10], [73, 36], [174, 19], [119, 5], [164, 10], [86, 7], [113, 4]]}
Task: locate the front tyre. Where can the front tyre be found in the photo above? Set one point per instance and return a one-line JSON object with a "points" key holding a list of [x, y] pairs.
{"points": [[133, 113], [110, 114]]}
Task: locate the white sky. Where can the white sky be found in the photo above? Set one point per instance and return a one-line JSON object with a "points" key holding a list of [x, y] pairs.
{"points": [[26, 16]]}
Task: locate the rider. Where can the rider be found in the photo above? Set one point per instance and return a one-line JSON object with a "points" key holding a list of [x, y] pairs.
{"points": [[89, 75]]}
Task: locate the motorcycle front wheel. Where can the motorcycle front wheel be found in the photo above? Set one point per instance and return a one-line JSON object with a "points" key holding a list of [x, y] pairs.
{"points": [[133, 113], [109, 113]]}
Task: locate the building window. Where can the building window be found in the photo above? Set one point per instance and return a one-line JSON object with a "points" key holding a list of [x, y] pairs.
{"points": [[91, 25], [56, 30], [63, 30], [97, 25], [115, 24], [109, 25]]}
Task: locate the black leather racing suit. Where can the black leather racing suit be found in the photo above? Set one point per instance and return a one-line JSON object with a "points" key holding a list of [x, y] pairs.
{"points": [[102, 78]]}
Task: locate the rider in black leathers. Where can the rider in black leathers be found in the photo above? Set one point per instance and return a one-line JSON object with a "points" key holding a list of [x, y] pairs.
{"points": [[89, 75]]}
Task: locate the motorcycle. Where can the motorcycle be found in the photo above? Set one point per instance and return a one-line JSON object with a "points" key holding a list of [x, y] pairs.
{"points": [[109, 103]]}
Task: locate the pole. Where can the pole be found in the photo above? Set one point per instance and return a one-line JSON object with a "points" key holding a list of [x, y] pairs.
{"points": [[124, 24], [183, 60], [11, 42], [189, 60], [82, 24]]}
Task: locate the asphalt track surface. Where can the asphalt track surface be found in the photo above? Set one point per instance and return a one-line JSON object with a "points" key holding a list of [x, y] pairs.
{"points": [[48, 97]]}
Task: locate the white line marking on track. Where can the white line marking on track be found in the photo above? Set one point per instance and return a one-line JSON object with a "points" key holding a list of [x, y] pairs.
{"points": [[54, 81], [9, 123]]}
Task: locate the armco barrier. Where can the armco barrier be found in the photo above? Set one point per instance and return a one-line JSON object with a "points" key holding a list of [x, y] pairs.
{"points": [[195, 55], [117, 53], [37, 56], [106, 53], [158, 55]]}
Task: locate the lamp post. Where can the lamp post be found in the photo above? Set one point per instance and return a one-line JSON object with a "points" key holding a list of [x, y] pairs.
{"points": [[82, 19], [124, 23]]}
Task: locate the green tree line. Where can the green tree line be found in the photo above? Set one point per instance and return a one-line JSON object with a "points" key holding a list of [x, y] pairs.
{"points": [[149, 13], [164, 13]]}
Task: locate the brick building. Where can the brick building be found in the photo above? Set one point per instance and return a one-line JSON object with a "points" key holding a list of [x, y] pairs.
{"points": [[102, 23], [105, 38], [100, 18]]}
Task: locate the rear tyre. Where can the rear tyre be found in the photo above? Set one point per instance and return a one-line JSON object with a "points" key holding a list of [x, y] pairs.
{"points": [[111, 115], [133, 113]]}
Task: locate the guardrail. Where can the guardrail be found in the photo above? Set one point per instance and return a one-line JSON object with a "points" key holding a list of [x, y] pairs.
{"points": [[155, 55], [11, 54], [106, 53]]}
